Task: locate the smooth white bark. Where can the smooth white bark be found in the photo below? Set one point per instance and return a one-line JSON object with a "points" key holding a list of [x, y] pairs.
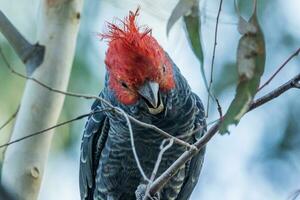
{"points": [[25, 161]]}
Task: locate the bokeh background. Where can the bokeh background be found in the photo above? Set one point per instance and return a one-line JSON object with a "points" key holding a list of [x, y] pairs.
{"points": [[259, 160]]}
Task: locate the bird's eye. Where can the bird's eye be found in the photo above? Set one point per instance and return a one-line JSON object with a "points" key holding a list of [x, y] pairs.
{"points": [[124, 84], [164, 68]]}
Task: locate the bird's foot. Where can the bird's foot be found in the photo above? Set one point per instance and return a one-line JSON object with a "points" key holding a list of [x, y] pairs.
{"points": [[141, 192]]}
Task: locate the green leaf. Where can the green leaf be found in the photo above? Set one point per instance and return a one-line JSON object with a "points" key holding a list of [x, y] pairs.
{"points": [[250, 63], [189, 9], [222, 83], [193, 28], [244, 26], [182, 8]]}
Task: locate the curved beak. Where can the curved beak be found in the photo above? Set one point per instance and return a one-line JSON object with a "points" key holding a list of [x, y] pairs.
{"points": [[149, 91]]}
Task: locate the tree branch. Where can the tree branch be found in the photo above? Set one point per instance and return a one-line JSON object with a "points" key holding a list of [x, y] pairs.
{"points": [[295, 195], [187, 155], [296, 53], [31, 55], [293, 83], [10, 118]]}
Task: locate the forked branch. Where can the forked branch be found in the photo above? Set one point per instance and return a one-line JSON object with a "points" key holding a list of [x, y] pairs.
{"points": [[31, 55]]}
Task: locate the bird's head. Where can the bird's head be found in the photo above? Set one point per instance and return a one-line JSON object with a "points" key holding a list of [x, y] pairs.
{"points": [[138, 67]]}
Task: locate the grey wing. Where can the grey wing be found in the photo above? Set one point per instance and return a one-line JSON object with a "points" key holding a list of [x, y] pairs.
{"points": [[93, 140], [195, 165]]}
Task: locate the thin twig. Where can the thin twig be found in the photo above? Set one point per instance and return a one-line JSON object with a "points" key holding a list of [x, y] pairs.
{"points": [[50, 128], [163, 149], [162, 132], [197, 129], [44, 85], [213, 56], [187, 155], [295, 195], [219, 108], [212, 122], [133, 144], [10, 119], [296, 53]]}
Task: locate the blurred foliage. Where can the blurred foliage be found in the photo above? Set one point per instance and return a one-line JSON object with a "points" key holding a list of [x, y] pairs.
{"points": [[289, 142], [228, 80], [279, 156], [246, 7]]}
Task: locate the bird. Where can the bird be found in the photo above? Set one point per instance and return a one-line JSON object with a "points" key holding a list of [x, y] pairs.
{"points": [[143, 81]]}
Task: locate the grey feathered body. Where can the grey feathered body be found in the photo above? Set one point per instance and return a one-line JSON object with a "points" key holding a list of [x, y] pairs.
{"points": [[108, 170]]}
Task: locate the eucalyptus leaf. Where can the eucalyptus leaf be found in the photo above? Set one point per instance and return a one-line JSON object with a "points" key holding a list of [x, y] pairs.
{"points": [[245, 27], [182, 8], [189, 9], [193, 29], [250, 64]]}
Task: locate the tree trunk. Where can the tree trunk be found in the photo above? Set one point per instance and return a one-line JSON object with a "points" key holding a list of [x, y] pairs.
{"points": [[24, 162]]}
